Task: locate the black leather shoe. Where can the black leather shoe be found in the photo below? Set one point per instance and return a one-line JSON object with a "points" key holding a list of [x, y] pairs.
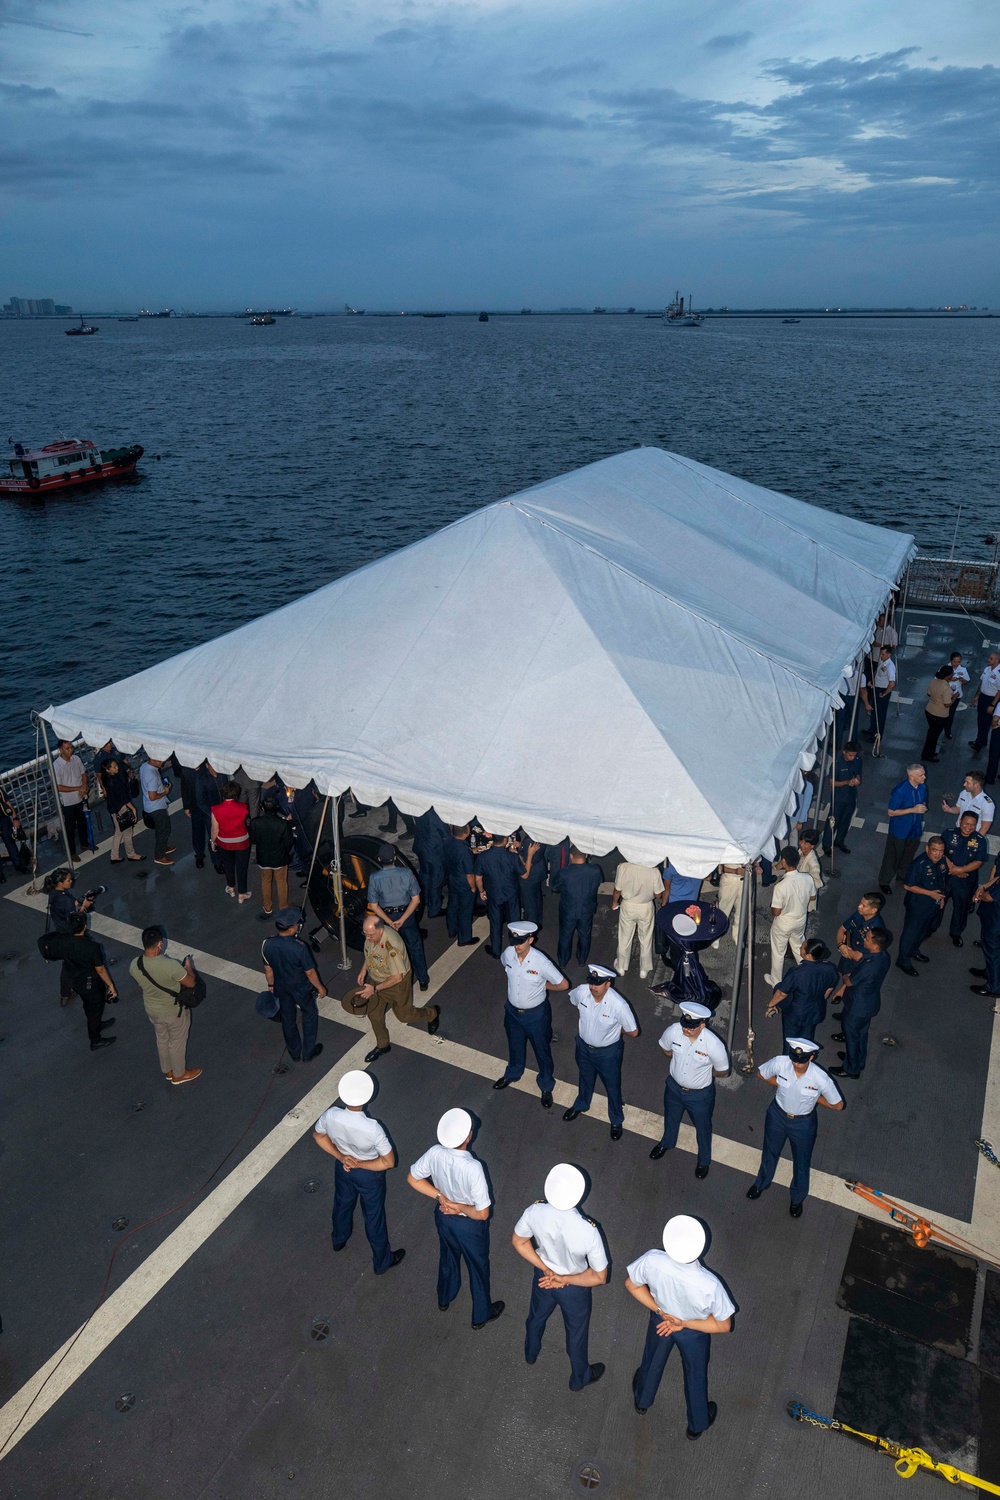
{"points": [[547, 1099], [979, 973], [837, 1036], [795, 1210], [199, 864], [616, 1132], [642, 1410], [921, 958], [974, 746], [713, 1412], [701, 1170], [657, 1152], [886, 890], [982, 989], [105, 1041], [843, 848], [443, 1306], [842, 1055], [596, 1371], [105, 1025], [337, 1248], [495, 1310], [265, 916], [754, 1192], [315, 1052], [397, 1256], [470, 944], [432, 1026], [958, 942], [840, 1073], [377, 1052], [503, 1083], [572, 1114], [908, 969], [425, 984]]}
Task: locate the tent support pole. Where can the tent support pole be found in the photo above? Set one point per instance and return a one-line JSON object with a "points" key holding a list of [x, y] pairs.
{"points": [[823, 762], [55, 793], [741, 937], [751, 880], [902, 620], [832, 817], [857, 695], [338, 885]]}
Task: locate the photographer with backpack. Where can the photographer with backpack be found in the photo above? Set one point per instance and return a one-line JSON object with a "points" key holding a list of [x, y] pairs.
{"points": [[62, 906], [84, 958], [165, 984]]}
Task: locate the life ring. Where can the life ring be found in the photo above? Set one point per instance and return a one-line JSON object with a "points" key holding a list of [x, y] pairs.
{"points": [[33, 484]]}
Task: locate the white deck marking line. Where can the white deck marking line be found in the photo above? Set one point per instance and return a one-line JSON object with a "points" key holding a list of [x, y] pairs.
{"points": [[857, 822]]}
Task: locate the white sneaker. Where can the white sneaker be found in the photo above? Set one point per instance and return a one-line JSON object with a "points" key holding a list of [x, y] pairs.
{"points": [[645, 973], [770, 979]]}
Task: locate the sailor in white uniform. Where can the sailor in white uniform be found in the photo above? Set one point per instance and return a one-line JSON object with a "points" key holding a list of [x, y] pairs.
{"points": [[527, 1015], [687, 1304], [605, 1019], [452, 1176], [791, 1116], [568, 1254], [697, 1057], [363, 1153]]}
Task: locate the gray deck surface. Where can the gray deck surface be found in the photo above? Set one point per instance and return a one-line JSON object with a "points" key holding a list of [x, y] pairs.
{"points": [[231, 1394]]}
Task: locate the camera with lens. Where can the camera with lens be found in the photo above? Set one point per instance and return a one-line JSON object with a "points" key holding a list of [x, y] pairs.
{"points": [[92, 895]]}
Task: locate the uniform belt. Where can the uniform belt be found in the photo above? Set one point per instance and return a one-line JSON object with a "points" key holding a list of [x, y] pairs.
{"points": [[394, 910]]}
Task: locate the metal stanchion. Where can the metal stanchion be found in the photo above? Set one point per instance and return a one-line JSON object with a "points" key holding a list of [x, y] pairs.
{"points": [[338, 886], [751, 881], [741, 937]]}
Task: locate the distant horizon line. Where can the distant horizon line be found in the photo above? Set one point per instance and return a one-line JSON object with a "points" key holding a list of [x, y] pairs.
{"points": [[841, 310]]}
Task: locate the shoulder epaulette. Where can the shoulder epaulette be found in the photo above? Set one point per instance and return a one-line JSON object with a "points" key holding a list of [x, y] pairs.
{"points": [[537, 1201]]}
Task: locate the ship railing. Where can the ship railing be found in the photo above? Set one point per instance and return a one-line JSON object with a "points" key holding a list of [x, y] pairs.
{"points": [[954, 583], [30, 791]]}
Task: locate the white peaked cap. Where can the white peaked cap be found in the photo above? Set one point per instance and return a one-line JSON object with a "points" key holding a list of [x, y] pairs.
{"points": [[683, 925], [356, 1087], [683, 1238], [565, 1186], [454, 1127]]}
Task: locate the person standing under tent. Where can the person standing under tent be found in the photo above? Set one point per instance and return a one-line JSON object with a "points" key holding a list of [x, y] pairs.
{"points": [[567, 1252], [72, 786], [498, 882], [877, 694], [885, 634], [231, 839], [430, 834], [273, 839], [156, 807], [731, 878], [799, 1084], [461, 874], [636, 888], [394, 895], [846, 780], [790, 900], [533, 878], [576, 884], [451, 1175], [363, 1154]]}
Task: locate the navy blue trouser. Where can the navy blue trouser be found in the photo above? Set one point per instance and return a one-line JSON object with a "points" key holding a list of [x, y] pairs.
{"points": [[989, 936], [879, 710], [984, 718], [800, 1133], [348, 1187], [845, 805], [923, 916], [578, 924], [201, 831], [532, 906], [534, 1026], [432, 878], [699, 1104], [802, 1020], [500, 913], [604, 1063], [410, 933], [961, 888], [855, 1029], [299, 1047], [461, 905], [574, 1302], [468, 1240], [694, 1350]]}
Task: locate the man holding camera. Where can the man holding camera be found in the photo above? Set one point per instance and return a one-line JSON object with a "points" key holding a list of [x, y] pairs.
{"points": [[161, 980], [88, 975]]}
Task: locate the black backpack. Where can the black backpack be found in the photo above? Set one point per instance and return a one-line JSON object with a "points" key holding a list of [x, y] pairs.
{"points": [[52, 946]]}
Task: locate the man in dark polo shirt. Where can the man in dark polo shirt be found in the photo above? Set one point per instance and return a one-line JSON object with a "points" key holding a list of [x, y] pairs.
{"points": [[290, 971], [87, 972]]}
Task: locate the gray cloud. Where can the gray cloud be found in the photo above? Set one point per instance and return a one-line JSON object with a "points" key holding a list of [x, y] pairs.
{"points": [[24, 93], [12, 18], [728, 41]]}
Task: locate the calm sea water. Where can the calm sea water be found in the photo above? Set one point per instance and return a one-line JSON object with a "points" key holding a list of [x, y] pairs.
{"points": [[289, 455]]}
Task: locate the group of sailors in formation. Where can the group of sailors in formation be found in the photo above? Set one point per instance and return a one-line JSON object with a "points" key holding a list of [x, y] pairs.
{"points": [[686, 1302]]}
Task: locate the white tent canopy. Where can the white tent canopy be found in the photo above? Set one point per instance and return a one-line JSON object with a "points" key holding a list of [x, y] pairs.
{"points": [[638, 654]]}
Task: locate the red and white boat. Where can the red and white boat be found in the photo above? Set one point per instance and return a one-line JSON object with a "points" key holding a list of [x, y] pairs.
{"points": [[64, 465]]}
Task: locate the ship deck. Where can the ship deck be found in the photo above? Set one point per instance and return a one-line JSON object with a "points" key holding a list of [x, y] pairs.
{"points": [[258, 1364]]}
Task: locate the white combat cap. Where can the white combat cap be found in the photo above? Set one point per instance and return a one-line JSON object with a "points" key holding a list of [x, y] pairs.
{"points": [[695, 1010], [522, 929], [565, 1186], [454, 1127], [599, 973], [356, 1087], [683, 925], [683, 1238]]}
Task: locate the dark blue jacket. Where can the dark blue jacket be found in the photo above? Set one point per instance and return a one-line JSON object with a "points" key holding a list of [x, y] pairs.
{"points": [[577, 886]]}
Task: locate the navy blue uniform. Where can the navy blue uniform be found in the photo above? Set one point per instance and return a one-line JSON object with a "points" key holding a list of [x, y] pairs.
{"points": [[923, 913], [207, 794], [393, 888], [844, 799], [804, 1005], [577, 887], [862, 1003], [500, 871], [289, 958], [962, 888], [855, 926], [430, 835], [533, 886], [459, 864], [989, 923]]}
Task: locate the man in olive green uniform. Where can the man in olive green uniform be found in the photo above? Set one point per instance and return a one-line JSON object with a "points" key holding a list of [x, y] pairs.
{"points": [[385, 981]]}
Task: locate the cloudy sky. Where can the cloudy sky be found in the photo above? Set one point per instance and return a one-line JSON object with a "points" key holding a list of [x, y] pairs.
{"points": [[550, 153]]}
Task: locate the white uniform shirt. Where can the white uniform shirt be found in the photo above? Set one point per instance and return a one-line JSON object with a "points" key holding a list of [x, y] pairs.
{"points": [[989, 682], [353, 1133], [69, 773], [692, 1063], [638, 882], [685, 1291], [887, 635], [526, 981], [980, 804], [602, 1021], [566, 1241], [885, 674], [959, 678], [795, 1095], [456, 1174], [809, 865], [792, 896]]}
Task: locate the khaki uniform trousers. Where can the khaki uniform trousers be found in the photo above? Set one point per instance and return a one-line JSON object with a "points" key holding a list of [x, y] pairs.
{"points": [[635, 918], [786, 932], [399, 998], [171, 1041], [730, 896]]}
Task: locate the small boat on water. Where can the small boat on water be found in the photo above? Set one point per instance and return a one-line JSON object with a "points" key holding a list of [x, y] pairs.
{"points": [[484, 317], [64, 465], [677, 316], [261, 320], [84, 327], [791, 320], [132, 319], [353, 312]]}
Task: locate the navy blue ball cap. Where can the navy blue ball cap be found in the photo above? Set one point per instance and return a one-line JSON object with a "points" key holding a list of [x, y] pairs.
{"points": [[266, 1005], [289, 916]]}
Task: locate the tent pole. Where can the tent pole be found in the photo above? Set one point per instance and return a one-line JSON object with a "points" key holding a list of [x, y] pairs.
{"points": [[55, 793], [832, 818], [857, 695], [822, 768], [741, 937], [902, 622], [751, 878], [338, 885]]}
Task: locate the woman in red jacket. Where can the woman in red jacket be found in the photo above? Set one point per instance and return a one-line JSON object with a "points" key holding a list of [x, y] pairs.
{"points": [[231, 838]]}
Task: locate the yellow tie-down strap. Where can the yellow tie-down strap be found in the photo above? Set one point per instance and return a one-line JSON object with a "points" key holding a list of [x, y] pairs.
{"points": [[908, 1460]]}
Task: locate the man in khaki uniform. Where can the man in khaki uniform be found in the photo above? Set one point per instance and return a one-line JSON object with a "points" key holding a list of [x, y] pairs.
{"points": [[161, 980], [636, 887], [386, 980]]}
